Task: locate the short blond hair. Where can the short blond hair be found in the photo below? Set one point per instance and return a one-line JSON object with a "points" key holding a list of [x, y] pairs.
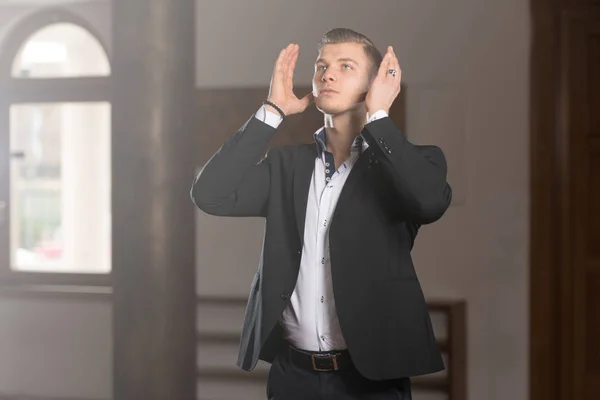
{"points": [[345, 35]]}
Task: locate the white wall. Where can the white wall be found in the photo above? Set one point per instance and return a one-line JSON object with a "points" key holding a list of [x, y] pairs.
{"points": [[465, 63], [54, 345], [466, 66]]}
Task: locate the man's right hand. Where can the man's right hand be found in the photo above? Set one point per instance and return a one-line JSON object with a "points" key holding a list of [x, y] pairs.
{"points": [[281, 91]]}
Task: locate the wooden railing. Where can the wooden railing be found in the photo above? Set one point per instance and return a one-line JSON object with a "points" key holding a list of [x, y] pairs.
{"points": [[23, 397], [448, 316], [451, 335], [453, 345]]}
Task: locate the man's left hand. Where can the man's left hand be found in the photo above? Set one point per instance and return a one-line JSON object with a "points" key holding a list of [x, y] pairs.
{"points": [[386, 85]]}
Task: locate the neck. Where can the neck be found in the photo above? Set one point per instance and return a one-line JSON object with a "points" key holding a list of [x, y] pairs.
{"points": [[341, 130]]}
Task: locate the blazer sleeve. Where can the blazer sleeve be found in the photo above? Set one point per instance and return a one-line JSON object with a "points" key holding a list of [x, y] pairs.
{"points": [[417, 173], [232, 183]]}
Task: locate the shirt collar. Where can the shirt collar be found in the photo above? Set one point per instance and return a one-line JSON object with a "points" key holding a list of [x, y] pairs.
{"points": [[320, 136]]}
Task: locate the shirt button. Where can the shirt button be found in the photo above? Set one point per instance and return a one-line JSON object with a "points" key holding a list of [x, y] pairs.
{"points": [[327, 170], [328, 179], [327, 164], [322, 299]]}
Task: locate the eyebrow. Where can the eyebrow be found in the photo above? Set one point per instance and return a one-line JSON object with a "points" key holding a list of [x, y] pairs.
{"points": [[320, 60]]}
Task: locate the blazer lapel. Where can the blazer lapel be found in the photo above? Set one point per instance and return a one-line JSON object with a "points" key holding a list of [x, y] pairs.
{"points": [[303, 170], [363, 163]]}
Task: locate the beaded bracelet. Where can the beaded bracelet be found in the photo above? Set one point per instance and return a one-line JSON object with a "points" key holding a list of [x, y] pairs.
{"points": [[275, 107]]}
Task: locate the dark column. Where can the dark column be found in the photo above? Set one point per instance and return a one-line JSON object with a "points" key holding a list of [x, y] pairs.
{"points": [[153, 217]]}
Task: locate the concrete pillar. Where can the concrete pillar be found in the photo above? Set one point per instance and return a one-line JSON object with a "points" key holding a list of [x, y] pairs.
{"points": [[153, 217]]}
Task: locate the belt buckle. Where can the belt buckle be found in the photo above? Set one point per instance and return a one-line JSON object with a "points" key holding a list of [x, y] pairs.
{"points": [[332, 357]]}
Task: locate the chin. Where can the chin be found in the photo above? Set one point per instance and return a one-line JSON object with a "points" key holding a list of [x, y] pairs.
{"points": [[331, 107]]}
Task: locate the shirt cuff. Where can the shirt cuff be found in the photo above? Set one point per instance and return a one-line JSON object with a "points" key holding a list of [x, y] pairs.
{"points": [[378, 115], [268, 117]]}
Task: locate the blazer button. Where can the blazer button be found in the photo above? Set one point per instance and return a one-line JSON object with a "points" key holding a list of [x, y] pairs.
{"points": [[285, 296]]}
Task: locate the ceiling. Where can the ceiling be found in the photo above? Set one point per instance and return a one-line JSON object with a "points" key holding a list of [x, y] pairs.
{"points": [[42, 2]]}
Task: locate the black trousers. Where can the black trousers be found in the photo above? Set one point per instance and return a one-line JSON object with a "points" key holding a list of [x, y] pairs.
{"points": [[289, 382]]}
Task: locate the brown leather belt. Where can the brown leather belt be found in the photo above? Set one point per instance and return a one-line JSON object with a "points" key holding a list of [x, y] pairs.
{"points": [[322, 361]]}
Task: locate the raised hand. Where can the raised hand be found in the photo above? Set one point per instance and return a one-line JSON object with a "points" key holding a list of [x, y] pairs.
{"points": [[386, 86], [281, 91]]}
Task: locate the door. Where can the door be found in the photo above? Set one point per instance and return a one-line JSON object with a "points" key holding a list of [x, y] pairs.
{"points": [[580, 46], [565, 201]]}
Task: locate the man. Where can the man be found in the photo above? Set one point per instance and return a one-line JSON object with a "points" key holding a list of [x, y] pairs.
{"points": [[335, 305]]}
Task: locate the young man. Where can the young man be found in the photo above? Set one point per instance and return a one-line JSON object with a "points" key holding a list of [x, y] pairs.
{"points": [[335, 305]]}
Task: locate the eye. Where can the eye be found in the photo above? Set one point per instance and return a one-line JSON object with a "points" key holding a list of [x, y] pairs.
{"points": [[320, 67], [347, 65]]}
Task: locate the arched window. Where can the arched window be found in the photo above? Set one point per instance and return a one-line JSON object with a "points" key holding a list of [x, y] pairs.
{"points": [[55, 217], [61, 50]]}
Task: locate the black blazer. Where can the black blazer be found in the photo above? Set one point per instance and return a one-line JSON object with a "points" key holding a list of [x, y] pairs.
{"points": [[392, 190]]}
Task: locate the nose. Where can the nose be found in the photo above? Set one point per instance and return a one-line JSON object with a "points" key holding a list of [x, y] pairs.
{"points": [[327, 76]]}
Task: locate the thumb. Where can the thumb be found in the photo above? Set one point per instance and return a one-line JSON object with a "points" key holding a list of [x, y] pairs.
{"points": [[307, 100]]}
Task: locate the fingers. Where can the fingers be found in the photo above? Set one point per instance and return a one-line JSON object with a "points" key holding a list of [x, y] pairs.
{"points": [[292, 57], [394, 64], [291, 64], [281, 62], [288, 57], [383, 67]]}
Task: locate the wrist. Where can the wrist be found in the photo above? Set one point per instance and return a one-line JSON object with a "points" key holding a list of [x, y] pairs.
{"points": [[274, 109], [271, 109], [372, 110]]}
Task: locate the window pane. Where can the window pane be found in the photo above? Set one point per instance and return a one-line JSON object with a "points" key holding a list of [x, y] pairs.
{"points": [[60, 187], [61, 50]]}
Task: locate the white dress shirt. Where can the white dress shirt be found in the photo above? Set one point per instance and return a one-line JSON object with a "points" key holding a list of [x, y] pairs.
{"points": [[310, 320]]}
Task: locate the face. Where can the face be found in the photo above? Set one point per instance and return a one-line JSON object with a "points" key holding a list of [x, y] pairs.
{"points": [[341, 78]]}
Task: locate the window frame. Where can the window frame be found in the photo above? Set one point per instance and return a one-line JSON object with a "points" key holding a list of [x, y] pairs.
{"points": [[22, 90]]}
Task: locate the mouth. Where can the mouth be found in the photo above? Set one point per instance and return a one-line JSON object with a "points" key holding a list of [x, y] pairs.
{"points": [[327, 91]]}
